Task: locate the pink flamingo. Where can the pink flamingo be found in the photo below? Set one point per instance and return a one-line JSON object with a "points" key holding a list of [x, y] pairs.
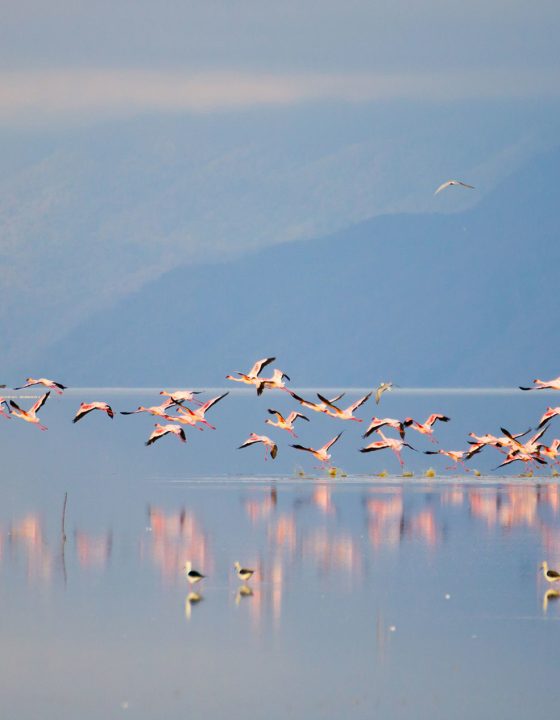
{"points": [[51, 384], [181, 396], [270, 446], [458, 456], [316, 407], [549, 414], [252, 377], [30, 415], [377, 423], [427, 427], [86, 408], [157, 410], [162, 430], [387, 444], [348, 413], [191, 417], [544, 385], [4, 402], [285, 423], [322, 454]]}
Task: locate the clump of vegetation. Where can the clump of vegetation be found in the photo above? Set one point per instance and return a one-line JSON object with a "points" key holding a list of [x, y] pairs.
{"points": [[430, 472], [477, 473], [383, 473], [333, 471], [408, 473]]}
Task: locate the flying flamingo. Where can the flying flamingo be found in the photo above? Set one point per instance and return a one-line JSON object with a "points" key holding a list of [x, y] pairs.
{"points": [[427, 427], [270, 446], [51, 384], [191, 417], [377, 423], [387, 443], [322, 454], [161, 430], [544, 385], [276, 382], [4, 402], [519, 455], [181, 396], [458, 456], [30, 415], [347, 414], [252, 377], [86, 408], [285, 423], [551, 451], [317, 407], [157, 410], [549, 414]]}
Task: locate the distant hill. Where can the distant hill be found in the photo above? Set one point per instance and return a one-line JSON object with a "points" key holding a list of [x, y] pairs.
{"points": [[424, 300]]}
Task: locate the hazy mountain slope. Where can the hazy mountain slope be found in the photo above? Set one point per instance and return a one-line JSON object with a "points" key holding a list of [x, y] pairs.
{"points": [[466, 299], [92, 212]]}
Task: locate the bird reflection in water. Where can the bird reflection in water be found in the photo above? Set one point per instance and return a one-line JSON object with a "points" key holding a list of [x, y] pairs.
{"points": [[28, 534], [385, 518], [93, 550], [193, 598], [549, 596], [173, 537], [261, 509], [243, 591]]}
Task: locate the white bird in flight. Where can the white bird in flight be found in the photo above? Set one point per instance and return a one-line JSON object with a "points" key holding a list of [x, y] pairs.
{"points": [[449, 183]]}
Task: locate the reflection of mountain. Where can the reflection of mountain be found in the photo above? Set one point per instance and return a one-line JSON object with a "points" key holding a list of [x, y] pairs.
{"points": [[460, 299]]}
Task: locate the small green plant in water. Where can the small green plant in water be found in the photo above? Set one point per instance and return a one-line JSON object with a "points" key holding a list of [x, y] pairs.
{"points": [[332, 471], [555, 473], [383, 473], [408, 473], [476, 472], [430, 472]]}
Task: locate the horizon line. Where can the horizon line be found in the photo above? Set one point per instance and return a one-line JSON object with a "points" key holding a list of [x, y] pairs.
{"points": [[122, 390]]}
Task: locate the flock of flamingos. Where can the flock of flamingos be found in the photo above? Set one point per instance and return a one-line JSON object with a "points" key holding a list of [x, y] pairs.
{"points": [[176, 412]]}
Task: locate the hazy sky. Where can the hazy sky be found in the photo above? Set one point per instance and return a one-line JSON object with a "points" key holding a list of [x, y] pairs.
{"points": [[61, 57]]}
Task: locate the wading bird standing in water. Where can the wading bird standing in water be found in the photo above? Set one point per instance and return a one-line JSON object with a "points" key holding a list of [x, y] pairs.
{"points": [[162, 430], [322, 454], [550, 575], [30, 415], [86, 408], [243, 574], [193, 576], [270, 446], [51, 384]]}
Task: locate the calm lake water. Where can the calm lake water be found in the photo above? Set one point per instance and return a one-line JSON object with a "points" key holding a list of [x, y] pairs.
{"points": [[372, 597]]}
